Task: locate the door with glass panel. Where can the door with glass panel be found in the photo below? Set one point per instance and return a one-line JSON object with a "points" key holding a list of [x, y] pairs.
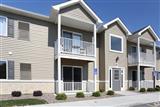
{"points": [[76, 43], [116, 79], [72, 78], [67, 42]]}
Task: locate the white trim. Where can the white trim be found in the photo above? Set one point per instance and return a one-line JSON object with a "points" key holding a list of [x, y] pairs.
{"points": [[111, 68], [117, 36], [6, 33], [152, 31], [105, 26], [24, 12], [27, 81], [82, 3], [6, 69]]}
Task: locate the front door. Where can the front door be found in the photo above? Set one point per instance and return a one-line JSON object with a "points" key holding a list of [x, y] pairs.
{"points": [[116, 79]]}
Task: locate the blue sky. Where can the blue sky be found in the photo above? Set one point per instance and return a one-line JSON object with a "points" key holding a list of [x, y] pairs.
{"points": [[134, 13]]}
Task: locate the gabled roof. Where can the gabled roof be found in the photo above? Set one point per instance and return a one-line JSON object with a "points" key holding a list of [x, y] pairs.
{"points": [[23, 12], [58, 7], [139, 32], [105, 26]]}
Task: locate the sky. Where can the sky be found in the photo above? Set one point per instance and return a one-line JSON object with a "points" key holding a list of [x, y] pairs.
{"points": [[134, 13]]}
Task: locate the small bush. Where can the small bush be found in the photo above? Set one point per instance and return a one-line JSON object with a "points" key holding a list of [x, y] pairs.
{"points": [[61, 96], [102, 90], [150, 89], [110, 92], [37, 93], [96, 94], [131, 88], [16, 93], [157, 89], [80, 95], [142, 90], [157, 86]]}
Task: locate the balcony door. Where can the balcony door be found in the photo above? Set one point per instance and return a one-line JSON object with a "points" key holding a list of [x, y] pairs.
{"points": [[76, 43], [71, 42], [72, 78]]}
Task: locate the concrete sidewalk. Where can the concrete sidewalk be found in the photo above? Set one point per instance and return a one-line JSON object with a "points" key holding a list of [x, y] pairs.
{"points": [[122, 101]]}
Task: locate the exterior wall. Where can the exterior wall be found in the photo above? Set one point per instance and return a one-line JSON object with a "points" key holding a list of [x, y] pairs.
{"points": [[108, 58], [26, 87], [39, 51], [77, 12], [146, 35]]}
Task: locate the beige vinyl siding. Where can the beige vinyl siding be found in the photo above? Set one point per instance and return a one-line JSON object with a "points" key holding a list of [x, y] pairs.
{"points": [[37, 51], [78, 13], [148, 36]]}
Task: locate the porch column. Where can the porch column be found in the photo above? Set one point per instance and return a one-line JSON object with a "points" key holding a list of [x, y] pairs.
{"points": [[138, 64], [59, 58], [155, 54], [95, 54], [155, 64]]}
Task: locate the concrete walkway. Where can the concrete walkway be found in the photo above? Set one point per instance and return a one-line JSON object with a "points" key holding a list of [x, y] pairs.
{"points": [[122, 101]]}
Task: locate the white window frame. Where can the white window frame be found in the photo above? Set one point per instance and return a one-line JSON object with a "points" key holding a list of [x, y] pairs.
{"points": [[6, 68], [5, 35], [117, 36]]}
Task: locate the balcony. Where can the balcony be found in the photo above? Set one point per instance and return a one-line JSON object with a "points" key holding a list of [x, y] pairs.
{"points": [[145, 59], [75, 47]]}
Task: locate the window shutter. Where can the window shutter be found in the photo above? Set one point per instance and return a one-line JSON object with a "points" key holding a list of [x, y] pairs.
{"points": [[10, 69], [10, 28], [23, 31]]}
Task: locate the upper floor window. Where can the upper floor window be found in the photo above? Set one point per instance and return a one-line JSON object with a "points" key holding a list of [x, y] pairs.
{"points": [[23, 31], [116, 43], [3, 26]]}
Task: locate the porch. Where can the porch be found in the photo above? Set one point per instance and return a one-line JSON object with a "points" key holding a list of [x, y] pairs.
{"points": [[76, 76], [145, 74]]}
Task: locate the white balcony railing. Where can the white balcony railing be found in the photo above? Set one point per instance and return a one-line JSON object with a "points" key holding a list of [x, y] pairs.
{"points": [[145, 58], [75, 47]]}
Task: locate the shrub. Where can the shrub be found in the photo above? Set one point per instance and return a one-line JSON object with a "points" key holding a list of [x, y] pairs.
{"points": [[131, 88], [96, 94], [157, 86], [80, 95], [110, 92], [150, 89], [16, 93], [142, 90], [157, 89], [37, 93], [61, 96], [102, 90]]}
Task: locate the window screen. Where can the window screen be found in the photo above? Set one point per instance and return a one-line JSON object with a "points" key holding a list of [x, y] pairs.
{"points": [[23, 31], [10, 27], [25, 70]]}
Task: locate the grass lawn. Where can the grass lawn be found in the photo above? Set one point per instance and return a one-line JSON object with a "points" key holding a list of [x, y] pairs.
{"points": [[21, 102]]}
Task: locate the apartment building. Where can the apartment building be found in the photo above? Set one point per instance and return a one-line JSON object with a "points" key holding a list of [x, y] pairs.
{"points": [[73, 50]]}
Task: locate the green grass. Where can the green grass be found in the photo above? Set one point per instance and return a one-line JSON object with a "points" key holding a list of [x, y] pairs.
{"points": [[21, 102]]}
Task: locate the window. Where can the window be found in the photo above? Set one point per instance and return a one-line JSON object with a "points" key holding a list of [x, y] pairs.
{"points": [[3, 69], [116, 43], [3, 26], [10, 27], [25, 70], [23, 31], [143, 50]]}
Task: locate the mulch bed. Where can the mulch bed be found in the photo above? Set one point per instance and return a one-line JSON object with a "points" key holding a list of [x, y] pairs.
{"points": [[50, 98]]}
